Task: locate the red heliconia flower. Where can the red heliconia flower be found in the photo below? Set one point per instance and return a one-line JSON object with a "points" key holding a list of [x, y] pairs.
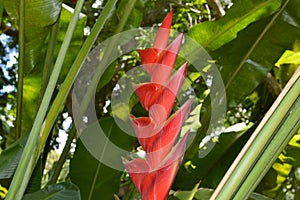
{"points": [[157, 133]]}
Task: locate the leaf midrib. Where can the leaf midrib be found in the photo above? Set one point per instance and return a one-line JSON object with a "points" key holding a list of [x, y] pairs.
{"points": [[232, 77], [98, 167], [236, 22]]}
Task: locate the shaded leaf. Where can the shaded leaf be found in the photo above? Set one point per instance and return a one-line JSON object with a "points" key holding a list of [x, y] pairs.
{"points": [[66, 191], [214, 34], [96, 180], [212, 166], [246, 60], [292, 152], [134, 19], [257, 196], [205, 194], [9, 158]]}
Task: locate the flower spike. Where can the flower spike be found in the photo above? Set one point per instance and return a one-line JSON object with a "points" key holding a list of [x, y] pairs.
{"points": [[158, 132]]}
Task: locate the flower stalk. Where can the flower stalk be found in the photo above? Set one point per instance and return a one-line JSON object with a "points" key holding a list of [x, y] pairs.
{"points": [[157, 133]]}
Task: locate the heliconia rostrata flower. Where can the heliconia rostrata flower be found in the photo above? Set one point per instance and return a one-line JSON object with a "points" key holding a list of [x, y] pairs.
{"points": [[157, 133]]}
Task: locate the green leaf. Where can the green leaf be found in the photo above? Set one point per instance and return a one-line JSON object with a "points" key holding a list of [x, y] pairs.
{"points": [[96, 180], [9, 158], [192, 123], [201, 194], [205, 194], [76, 41], [134, 18], [289, 57], [33, 80], [212, 166], [1, 10], [214, 34], [66, 191], [246, 60], [287, 65], [257, 196], [107, 75], [39, 16], [292, 151], [31, 90]]}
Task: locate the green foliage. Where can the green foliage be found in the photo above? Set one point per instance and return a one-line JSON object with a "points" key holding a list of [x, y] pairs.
{"points": [[254, 52], [213, 35], [3, 192], [214, 164], [10, 158], [93, 177], [76, 42], [287, 65], [39, 17], [283, 172], [59, 191]]}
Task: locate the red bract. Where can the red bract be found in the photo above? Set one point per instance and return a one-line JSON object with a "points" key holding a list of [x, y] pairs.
{"points": [[157, 133]]}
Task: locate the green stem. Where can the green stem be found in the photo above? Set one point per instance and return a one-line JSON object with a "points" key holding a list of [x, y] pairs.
{"points": [[107, 52], [63, 157], [193, 192], [20, 69], [269, 156], [127, 11], [71, 76], [33, 146], [48, 66], [265, 144]]}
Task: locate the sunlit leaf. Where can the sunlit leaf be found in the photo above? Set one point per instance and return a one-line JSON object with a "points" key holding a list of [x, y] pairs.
{"points": [[39, 16], [287, 65], [201, 194], [288, 57], [214, 34], [33, 80], [76, 42]]}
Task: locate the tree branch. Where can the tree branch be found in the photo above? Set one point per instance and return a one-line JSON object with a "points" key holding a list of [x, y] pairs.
{"points": [[9, 30], [217, 8]]}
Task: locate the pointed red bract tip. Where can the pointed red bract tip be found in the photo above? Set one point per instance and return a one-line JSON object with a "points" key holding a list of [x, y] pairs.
{"points": [[162, 36], [167, 21], [166, 61]]}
